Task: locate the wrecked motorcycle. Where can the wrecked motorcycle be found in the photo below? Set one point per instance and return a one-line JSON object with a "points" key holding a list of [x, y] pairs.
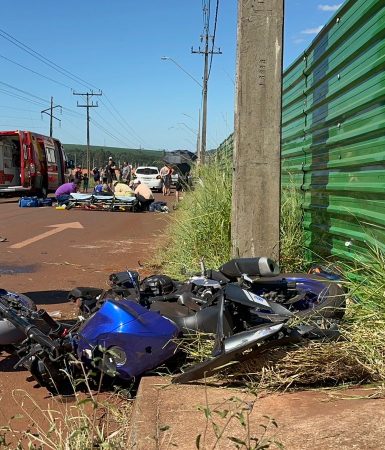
{"points": [[245, 303], [134, 326], [122, 339]]}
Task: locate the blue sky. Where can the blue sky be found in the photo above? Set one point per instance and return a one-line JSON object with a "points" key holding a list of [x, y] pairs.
{"points": [[117, 46]]}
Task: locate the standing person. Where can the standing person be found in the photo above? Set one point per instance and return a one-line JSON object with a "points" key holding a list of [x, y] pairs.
{"points": [[126, 172], [179, 187], [78, 175], [85, 182], [165, 173], [96, 175], [109, 171]]}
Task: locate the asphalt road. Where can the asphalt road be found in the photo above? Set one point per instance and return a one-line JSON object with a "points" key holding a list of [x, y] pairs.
{"points": [[45, 262], [49, 251]]}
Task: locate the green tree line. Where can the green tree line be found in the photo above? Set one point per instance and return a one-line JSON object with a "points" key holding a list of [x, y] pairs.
{"points": [[99, 155]]}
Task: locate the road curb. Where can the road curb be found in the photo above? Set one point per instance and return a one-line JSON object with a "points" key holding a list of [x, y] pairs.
{"points": [[144, 432]]}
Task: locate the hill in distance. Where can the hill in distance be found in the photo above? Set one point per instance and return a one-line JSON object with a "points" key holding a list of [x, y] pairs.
{"points": [[99, 155]]}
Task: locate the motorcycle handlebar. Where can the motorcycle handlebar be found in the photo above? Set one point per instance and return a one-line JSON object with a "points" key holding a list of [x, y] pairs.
{"points": [[38, 336], [30, 330]]}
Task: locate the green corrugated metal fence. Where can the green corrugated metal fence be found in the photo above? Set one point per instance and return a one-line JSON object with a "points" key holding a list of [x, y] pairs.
{"points": [[333, 130]]}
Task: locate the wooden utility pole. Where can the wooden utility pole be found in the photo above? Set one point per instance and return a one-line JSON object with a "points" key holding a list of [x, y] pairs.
{"points": [[257, 143], [49, 111], [88, 105]]}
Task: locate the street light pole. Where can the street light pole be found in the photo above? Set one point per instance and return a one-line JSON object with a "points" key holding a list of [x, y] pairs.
{"points": [[199, 140], [167, 58]]}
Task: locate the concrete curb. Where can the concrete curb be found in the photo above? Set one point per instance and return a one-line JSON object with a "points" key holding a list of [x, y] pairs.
{"points": [[144, 432]]}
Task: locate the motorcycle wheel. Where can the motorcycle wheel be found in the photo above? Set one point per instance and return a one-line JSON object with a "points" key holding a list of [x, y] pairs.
{"points": [[9, 334]]}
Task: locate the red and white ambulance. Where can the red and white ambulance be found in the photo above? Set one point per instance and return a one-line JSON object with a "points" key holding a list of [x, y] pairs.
{"points": [[30, 163]]}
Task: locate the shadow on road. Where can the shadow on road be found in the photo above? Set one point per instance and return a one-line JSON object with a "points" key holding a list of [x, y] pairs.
{"points": [[48, 297], [7, 362], [15, 269]]}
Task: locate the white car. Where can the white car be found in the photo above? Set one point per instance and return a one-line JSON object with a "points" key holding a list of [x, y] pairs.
{"points": [[149, 175]]}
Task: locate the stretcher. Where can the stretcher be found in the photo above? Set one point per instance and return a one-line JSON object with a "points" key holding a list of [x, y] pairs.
{"points": [[102, 202]]}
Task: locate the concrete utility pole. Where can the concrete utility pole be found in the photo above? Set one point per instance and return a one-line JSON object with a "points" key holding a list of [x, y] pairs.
{"points": [[206, 37], [88, 106], [257, 142], [50, 113]]}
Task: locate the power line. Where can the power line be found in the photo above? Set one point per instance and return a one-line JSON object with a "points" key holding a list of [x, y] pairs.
{"points": [[24, 92], [105, 130], [43, 59], [20, 97], [124, 121], [65, 73], [214, 33], [34, 71], [113, 128]]}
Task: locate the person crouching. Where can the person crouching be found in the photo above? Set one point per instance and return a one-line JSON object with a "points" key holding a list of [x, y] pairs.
{"points": [[143, 194], [63, 192]]}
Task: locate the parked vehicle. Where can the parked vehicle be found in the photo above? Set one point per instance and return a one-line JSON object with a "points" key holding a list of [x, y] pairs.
{"points": [[149, 175], [30, 163]]}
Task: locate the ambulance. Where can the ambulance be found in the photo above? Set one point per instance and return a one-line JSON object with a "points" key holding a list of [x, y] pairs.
{"points": [[31, 164]]}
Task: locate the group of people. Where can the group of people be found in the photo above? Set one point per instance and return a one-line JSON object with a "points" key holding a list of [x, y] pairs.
{"points": [[112, 180], [107, 183], [111, 172]]}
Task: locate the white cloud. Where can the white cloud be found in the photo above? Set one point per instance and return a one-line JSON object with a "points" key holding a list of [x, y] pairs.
{"points": [[312, 30], [329, 7], [298, 41]]}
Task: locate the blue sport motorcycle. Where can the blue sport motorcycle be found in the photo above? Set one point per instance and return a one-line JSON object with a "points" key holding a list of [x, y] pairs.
{"points": [[134, 327]]}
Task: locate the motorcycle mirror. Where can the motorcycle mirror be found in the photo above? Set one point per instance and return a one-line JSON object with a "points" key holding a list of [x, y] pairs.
{"points": [[203, 267]]}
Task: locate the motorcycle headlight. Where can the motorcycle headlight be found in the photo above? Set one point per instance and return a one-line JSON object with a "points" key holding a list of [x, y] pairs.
{"points": [[118, 354]]}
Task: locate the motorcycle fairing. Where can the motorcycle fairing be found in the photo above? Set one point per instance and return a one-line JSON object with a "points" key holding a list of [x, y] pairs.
{"points": [[234, 347], [147, 338]]}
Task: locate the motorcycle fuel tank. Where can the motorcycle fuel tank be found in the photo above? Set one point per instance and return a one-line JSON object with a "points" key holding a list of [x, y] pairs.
{"points": [[136, 339]]}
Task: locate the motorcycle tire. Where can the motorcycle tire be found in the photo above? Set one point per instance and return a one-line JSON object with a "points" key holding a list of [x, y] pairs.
{"points": [[9, 334]]}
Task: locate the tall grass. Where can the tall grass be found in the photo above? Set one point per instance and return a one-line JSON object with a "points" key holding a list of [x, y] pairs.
{"points": [[201, 226], [292, 235]]}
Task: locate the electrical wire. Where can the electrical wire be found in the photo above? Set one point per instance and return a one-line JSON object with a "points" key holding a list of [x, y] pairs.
{"points": [[44, 59], [111, 127], [123, 122], [67, 74], [33, 71], [24, 92], [213, 39], [105, 130], [20, 97]]}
